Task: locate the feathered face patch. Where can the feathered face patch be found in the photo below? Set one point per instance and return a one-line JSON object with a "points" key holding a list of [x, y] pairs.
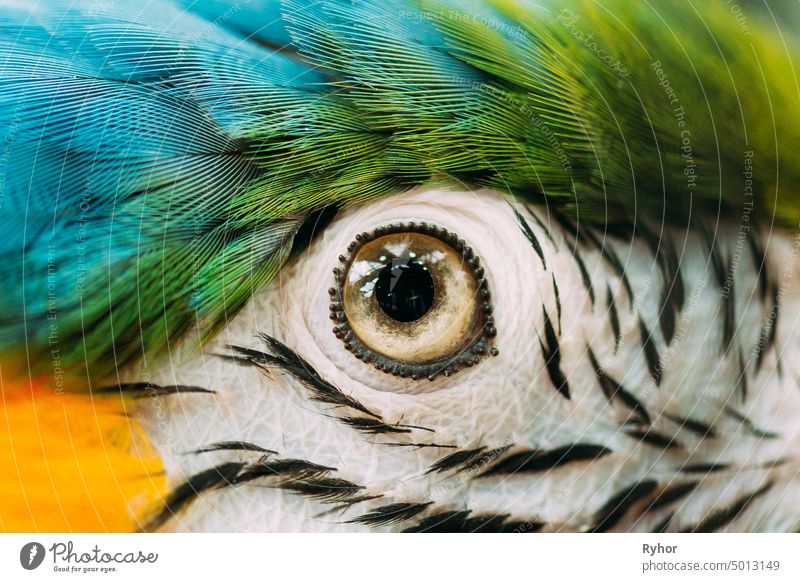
{"points": [[570, 402]]}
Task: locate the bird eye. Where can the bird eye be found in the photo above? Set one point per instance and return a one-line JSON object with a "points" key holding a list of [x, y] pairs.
{"points": [[412, 300]]}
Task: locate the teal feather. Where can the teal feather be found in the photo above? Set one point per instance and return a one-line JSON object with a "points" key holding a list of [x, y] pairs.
{"points": [[127, 151], [261, 20], [159, 161]]}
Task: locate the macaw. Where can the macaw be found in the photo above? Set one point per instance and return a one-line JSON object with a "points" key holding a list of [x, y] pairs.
{"points": [[399, 265]]}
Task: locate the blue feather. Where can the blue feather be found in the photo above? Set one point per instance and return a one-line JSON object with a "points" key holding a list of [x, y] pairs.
{"points": [[259, 19], [126, 144]]}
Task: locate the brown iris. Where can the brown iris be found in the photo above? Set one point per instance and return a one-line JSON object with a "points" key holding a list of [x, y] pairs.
{"points": [[412, 300]]}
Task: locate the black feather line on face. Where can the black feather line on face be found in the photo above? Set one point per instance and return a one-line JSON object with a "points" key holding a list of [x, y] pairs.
{"points": [[760, 262], [247, 356], [728, 305], [297, 476], [454, 460], [629, 232], [613, 318], [667, 313], [613, 391], [521, 527], [769, 329], [722, 517], [148, 389], [460, 522], [325, 490], [373, 426], [587, 235], [184, 494], [537, 461], [587, 281], [526, 230], [615, 508], [391, 514], [289, 469], [650, 353], [700, 429], [280, 355], [545, 228], [313, 225], [445, 522], [552, 357], [729, 317], [417, 445], [558, 303], [704, 468], [610, 257], [344, 505], [483, 460], [748, 425], [232, 446], [742, 380], [569, 228], [672, 289], [671, 494], [654, 439], [486, 523]]}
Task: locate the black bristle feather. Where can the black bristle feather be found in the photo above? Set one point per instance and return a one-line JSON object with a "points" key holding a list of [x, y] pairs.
{"points": [[184, 494], [391, 514], [536, 461]]}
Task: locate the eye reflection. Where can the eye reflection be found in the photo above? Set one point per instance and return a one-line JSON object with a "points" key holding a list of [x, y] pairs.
{"points": [[412, 300], [405, 288]]}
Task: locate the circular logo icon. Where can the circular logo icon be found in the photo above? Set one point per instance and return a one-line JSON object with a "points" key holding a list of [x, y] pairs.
{"points": [[31, 555]]}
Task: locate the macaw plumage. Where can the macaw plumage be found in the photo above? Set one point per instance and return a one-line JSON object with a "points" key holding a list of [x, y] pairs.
{"points": [[163, 164]]}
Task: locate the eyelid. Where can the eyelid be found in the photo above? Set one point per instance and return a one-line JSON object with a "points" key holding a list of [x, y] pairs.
{"points": [[504, 254]]}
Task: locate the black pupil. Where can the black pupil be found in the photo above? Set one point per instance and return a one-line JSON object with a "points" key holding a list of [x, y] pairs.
{"points": [[404, 289]]}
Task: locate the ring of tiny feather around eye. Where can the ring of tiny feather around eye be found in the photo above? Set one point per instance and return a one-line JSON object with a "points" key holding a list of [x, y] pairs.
{"points": [[412, 300]]}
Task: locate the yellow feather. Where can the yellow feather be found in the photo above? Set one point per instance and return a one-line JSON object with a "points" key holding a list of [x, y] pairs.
{"points": [[72, 463]]}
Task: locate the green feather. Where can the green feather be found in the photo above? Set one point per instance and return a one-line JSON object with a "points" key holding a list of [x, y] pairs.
{"points": [[201, 152], [568, 99]]}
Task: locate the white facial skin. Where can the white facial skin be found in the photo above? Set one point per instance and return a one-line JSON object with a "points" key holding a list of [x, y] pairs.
{"points": [[510, 399]]}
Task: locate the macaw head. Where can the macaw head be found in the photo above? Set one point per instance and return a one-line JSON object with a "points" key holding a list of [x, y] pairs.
{"points": [[414, 265]]}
